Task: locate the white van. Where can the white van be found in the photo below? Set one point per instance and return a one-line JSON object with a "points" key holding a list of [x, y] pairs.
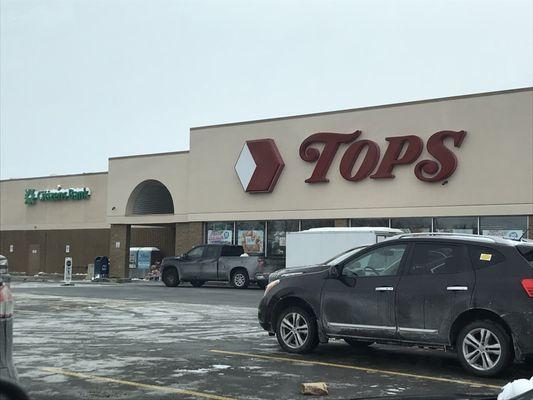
{"points": [[317, 245]]}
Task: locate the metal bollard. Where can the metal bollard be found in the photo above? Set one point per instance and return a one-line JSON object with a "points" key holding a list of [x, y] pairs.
{"points": [[7, 368]]}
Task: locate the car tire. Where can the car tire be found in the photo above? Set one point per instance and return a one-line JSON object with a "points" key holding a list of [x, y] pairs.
{"points": [[239, 279], [197, 283], [301, 340], [357, 344], [484, 348], [170, 277]]}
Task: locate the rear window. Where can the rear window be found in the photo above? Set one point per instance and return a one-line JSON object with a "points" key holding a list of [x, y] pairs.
{"points": [[232, 251], [484, 256], [527, 252]]}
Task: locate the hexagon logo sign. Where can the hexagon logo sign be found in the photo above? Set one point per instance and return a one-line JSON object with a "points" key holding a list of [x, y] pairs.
{"points": [[259, 166]]}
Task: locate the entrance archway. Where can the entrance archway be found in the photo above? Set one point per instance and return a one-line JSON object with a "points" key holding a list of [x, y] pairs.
{"points": [[150, 197], [149, 242]]}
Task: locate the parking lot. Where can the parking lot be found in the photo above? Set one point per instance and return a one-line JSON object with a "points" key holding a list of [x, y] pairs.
{"points": [[144, 340]]}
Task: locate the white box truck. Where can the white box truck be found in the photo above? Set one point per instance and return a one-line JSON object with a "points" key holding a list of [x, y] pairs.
{"points": [[317, 245]]}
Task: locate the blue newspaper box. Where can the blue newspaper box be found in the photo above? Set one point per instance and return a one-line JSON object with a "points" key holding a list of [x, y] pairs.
{"points": [[104, 269], [97, 267]]}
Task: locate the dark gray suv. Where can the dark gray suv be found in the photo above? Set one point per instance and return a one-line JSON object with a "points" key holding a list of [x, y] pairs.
{"points": [[465, 293]]}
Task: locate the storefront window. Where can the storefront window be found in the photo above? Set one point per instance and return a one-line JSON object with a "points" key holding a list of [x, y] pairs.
{"points": [[277, 231], [317, 223], [412, 225], [506, 226], [219, 232], [251, 236], [372, 222], [456, 225]]}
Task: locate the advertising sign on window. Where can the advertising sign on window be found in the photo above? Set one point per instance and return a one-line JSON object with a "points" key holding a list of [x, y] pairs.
{"points": [[143, 259], [507, 233], [252, 241], [467, 231], [277, 246], [220, 236]]}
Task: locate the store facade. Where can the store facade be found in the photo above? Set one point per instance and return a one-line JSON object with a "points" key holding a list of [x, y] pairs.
{"points": [[462, 164]]}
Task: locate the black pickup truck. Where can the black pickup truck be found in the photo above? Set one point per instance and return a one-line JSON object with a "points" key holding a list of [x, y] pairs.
{"points": [[215, 262]]}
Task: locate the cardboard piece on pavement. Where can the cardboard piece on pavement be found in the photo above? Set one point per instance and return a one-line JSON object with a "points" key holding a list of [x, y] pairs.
{"points": [[314, 388]]}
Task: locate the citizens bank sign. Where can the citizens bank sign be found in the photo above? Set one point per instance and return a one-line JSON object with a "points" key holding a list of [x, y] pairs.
{"points": [[31, 196], [259, 164]]}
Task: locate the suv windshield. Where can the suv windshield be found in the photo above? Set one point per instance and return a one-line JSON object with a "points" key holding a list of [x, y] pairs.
{"points": [[343, 256]]}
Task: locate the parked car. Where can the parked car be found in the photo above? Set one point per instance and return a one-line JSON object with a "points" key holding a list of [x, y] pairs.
{"points": [[465, 293], [215, 262], [4, 270]]}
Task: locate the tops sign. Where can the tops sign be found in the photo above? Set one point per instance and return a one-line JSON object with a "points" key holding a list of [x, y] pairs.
{"points": [[259, 164], [401, 150], [31, 196]]}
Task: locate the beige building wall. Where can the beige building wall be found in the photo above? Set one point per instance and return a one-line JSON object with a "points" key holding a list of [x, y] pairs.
{"points": [[494, 174], [53, 215], [494, 177], [125, 173], [37, 238]]}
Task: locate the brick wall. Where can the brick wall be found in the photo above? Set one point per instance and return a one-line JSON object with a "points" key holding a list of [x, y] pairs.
{"points": [[119, 251], [188, 234], [50, 246]]}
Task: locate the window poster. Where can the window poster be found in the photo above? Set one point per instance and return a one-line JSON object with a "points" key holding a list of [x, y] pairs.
{"points": [[507, 233], [223, 236], [252, 241]]}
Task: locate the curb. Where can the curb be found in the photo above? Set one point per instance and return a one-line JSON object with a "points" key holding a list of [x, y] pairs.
{"points": [[51, 279]]}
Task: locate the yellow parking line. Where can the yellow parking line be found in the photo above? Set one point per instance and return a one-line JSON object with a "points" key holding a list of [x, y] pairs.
{"points": [[167, 389], [354, 367]]}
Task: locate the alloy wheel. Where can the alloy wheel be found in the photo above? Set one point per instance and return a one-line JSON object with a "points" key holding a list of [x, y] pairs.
{"points": [[239, 279], [294, 330], [482, 349]]}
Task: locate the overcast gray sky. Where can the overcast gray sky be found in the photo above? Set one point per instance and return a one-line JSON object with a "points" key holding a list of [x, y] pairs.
{"points": [[84, 80]]}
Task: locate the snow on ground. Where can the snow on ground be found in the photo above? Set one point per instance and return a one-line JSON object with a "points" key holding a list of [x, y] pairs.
{"points": [[58, 326]]}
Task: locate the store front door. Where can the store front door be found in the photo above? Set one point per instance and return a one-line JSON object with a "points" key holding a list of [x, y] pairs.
{"points": [[34, 259]]}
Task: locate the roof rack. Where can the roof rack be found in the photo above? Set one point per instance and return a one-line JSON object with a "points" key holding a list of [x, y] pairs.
{"points": [[449, 234]]}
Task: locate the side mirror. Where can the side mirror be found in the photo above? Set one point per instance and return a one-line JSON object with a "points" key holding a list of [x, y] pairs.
{"points": [[350, 281], [333, 272]]}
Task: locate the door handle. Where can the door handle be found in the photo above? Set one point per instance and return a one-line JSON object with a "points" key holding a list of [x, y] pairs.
{"points": [[457, 288], [384, 289]]}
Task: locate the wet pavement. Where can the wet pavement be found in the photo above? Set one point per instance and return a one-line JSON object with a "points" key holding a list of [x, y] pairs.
{"points": [[146, 341]]}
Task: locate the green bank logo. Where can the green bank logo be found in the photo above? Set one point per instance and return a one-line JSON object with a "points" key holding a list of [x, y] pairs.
{"points": [[32, 196]]}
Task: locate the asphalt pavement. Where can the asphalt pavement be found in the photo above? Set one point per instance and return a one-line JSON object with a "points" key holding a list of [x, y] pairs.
{"points": [[146, 341]]}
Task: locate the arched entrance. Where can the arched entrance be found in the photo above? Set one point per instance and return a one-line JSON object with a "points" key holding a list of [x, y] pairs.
{"points": [[149, 243], [150, 197]]}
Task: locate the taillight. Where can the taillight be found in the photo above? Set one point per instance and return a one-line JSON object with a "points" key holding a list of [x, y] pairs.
{"points": [[6, 301], [527, 284]]}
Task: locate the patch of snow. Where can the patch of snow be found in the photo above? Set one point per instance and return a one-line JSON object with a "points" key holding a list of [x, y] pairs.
{"points": [[221, 366]]}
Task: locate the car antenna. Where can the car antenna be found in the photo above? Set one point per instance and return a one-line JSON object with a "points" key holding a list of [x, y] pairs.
{"points": [[523, 234]]}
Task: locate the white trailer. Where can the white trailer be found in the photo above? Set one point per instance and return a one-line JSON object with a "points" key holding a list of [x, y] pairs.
{"points": [[317, 245]]}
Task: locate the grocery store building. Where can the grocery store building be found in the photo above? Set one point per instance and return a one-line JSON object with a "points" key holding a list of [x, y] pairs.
{"points": [[461, 164]]}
